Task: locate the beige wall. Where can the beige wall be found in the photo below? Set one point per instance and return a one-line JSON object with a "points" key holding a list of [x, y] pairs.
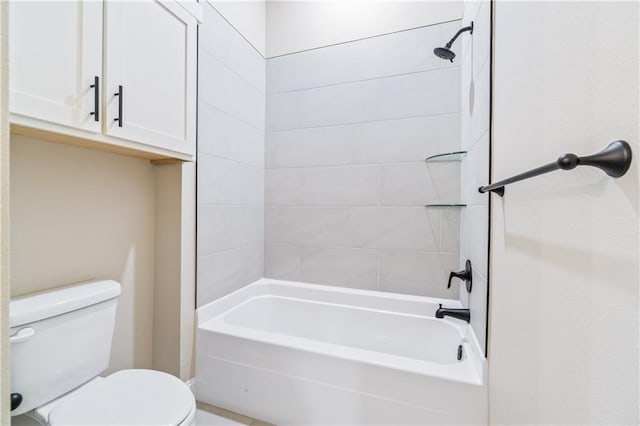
{"points": [[563, 338], [174, 289], [79, 214], [166, 323], [293, 26]]}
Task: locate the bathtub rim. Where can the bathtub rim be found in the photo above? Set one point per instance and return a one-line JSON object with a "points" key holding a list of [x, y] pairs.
{"points": [[259, 287]]}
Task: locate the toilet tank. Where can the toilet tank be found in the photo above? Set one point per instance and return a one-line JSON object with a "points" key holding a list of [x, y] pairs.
{"points": [[60, 339]]}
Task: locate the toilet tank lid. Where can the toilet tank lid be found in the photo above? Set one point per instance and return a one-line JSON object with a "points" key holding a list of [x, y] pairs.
{"points": [[47, 304]]}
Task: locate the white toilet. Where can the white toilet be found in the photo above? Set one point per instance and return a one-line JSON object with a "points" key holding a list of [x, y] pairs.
{"points": [[61, 342]]}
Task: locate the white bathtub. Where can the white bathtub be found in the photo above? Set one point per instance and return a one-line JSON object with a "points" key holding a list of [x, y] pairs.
{"points": [[294, 353]]}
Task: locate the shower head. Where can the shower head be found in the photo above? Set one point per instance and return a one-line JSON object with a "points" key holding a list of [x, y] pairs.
{"points": [[445, 52]]}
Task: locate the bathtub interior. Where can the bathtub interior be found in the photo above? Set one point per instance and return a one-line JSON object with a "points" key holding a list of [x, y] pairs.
{"points": [[412, 336]]}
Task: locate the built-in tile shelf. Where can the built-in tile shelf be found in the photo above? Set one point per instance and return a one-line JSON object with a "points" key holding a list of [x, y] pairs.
{"points": [[447, 156], [455, 205]]}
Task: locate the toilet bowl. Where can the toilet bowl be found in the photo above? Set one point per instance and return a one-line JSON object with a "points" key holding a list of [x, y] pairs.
{"points": [[60, 343]]}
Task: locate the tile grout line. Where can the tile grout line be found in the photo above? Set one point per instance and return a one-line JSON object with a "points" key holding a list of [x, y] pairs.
{"points": [[349, 247], [363, 80], [233, 249], [241, 120], [235, 72], [242, 163], [209, 104], [352, 123]]}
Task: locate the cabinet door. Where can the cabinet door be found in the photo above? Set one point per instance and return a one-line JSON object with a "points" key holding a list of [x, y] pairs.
{"points": [[151, 53], [55, 54]]}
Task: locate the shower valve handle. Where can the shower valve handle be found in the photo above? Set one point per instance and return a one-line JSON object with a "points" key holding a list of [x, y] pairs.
{"points": [[464, 275], [453, 275]]}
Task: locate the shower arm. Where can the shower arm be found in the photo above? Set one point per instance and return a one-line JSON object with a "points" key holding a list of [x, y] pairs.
{"points": [[460, 31]]}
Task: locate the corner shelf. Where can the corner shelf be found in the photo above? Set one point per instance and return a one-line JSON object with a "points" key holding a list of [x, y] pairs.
{"points": [[447, 156], [455, 205]]}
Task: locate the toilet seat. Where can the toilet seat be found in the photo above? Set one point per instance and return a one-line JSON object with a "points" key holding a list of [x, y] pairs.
{"points": [[128, 397]]}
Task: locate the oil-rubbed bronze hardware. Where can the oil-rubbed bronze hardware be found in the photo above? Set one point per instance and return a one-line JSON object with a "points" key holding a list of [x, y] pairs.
{"points": [[96, 98], [614, 160], [16, 400], [119, 95], [461, 314], [464, 275]]}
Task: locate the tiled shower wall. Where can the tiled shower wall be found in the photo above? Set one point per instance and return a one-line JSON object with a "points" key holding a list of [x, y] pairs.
{"points": [[476, 73], [348, 128], [231, 116]]}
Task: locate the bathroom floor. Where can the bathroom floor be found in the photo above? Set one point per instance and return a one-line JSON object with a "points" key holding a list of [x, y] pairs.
{"points": [[208, 415]]}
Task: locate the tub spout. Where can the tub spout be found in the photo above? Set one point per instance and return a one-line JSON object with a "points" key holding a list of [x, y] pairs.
{"points": [[462, 314]]}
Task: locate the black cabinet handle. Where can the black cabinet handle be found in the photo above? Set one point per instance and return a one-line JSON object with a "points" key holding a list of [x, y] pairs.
{"points": [[119, 95], [96, 98]]}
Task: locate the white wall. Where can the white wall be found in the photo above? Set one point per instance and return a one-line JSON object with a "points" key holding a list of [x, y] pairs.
{"points": [[248, 17], [79, 214], [563, 339], [293, 26], [349, 127], [231, 117], [279, 27], [4, 221], [475, 61]]}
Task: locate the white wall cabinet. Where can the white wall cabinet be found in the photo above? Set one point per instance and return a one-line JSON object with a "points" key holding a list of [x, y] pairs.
{"points": [[143, 54], [150, 50], [55, 55]]}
